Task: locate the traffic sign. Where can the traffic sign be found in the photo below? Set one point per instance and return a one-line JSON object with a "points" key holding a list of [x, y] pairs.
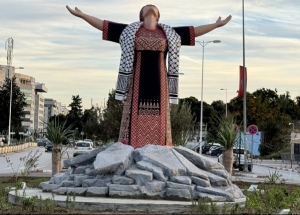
{"points": [[21, 133], [12, 132], [82, 133], [252, 129]]}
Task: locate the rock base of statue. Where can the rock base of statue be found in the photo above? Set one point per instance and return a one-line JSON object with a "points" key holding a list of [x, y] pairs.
{"points": [[151, 172]]}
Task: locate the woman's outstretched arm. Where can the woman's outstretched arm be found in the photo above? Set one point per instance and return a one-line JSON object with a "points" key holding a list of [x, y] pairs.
{"points": [[93, 21], [203, 29]]}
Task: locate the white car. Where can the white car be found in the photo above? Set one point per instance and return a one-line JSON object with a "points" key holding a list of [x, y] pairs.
{"points": [[238, 159], [82, 147], [89, 140]]}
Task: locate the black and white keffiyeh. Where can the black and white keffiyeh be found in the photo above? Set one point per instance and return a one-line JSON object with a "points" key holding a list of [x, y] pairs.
{"points": [[127, 58]]}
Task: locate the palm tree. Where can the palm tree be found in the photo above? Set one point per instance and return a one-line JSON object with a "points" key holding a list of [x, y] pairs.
{"points": [[225, 135], [57, 133]]}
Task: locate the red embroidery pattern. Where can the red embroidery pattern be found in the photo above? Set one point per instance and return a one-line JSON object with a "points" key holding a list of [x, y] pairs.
{"points": [[192, 35], [125, 122], [147, 122], [150, 40], [105, 30]]}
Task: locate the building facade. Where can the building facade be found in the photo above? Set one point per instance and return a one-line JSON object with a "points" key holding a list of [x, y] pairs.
{"points": [[51, 108], [39, 122], [27, 86]]}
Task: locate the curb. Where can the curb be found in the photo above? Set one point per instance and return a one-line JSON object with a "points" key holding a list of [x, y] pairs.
{"points": [[46, 171], [281, 168], [250, 176]]}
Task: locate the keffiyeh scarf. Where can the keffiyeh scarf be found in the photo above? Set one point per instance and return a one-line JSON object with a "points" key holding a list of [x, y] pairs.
{"points": [[127, 58]]}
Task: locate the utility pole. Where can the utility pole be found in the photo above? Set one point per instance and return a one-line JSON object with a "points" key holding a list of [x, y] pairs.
{"points": [[9, 45]]}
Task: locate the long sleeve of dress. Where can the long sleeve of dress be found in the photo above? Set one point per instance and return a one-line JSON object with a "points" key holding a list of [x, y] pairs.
{"points": [[112, 31], [187, 34]]}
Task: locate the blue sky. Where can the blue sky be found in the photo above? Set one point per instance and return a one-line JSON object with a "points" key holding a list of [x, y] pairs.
{"points": [[71, 58]]}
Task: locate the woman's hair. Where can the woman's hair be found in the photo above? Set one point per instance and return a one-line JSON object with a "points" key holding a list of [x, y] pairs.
{"points": [[141, 12]]}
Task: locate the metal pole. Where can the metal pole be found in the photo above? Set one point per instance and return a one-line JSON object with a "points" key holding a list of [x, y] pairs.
{"points": [[10, 101], [244, 103], [226, 102], [201, 108], [252, 154]]}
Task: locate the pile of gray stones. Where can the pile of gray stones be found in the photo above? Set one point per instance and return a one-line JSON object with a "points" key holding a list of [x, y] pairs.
{"points": [[151, 172]]}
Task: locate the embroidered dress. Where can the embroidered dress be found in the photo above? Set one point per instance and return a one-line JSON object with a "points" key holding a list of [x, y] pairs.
{"points": [[146, 114]]}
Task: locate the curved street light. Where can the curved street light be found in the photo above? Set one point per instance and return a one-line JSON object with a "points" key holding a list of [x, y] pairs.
{"points": [[203, 44], [10, 101]]}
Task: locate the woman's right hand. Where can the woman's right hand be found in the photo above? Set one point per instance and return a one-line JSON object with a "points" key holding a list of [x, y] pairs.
{"points": [[75, 12]]}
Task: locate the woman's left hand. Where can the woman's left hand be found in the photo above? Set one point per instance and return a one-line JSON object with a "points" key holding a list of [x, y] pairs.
{"points": [[221, 22]]}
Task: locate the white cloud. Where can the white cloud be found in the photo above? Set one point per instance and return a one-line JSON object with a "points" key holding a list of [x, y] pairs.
{"points": [[70, 57]]}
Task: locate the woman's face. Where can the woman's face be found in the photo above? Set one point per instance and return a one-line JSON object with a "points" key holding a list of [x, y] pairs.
{"points": [[150, 13]]}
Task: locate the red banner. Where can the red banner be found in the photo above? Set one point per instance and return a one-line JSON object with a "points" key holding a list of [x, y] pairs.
{"points": [[241, 81]]}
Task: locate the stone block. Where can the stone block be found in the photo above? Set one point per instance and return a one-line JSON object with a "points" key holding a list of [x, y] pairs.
{"points": [[58, 178], [217, 181], [141, 177], [213, 198], [122, 180], [178, 194], [61, 191], [96, 182], [157, 171], [173, 185], [234, 190], [90, 172], [161, 156], [216, 192], [78, 179], [87, 158], [191, 169], [198, 160], [68, 184], [48, 187], [181, 180], [155, 186], [81, 169], [78, 191], [123, 190], [115, 159], [96, 191], [222, 173], [200, 182]]}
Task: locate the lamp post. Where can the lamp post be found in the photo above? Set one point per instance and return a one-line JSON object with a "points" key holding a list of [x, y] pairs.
{"points": [[293, 126], [10, 101], [226, 100], [203, 44]]}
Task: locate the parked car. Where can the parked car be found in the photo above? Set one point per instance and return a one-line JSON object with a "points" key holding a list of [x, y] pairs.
{"points": [[89, 140], [48, 147], [238, 159], [216, 150], [82, 147], [206, 147], [42, 142]]}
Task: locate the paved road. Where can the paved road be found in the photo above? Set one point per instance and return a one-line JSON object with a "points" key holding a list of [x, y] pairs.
{"points": [[44, 162]]}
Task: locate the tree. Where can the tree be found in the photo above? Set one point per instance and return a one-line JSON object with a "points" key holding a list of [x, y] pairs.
{"points": [[110, 121], [226, 136], [17, 107], [57, 133], [182, 120], [75, 114], [90, 121]]}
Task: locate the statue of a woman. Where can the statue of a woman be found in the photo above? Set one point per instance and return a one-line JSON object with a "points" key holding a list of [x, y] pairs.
{"points": [[145, 83]]}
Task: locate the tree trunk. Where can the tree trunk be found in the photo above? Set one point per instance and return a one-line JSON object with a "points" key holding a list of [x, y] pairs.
{"points": [[56, 159], [228, 160]]}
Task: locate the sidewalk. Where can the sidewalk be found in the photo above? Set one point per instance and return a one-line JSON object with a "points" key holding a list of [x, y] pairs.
{"points": [[278, 164]]}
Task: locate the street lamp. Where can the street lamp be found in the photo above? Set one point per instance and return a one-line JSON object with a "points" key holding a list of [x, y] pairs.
{"points": [[10, 101], [226, 99], [203, 44], [293, 126]]}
